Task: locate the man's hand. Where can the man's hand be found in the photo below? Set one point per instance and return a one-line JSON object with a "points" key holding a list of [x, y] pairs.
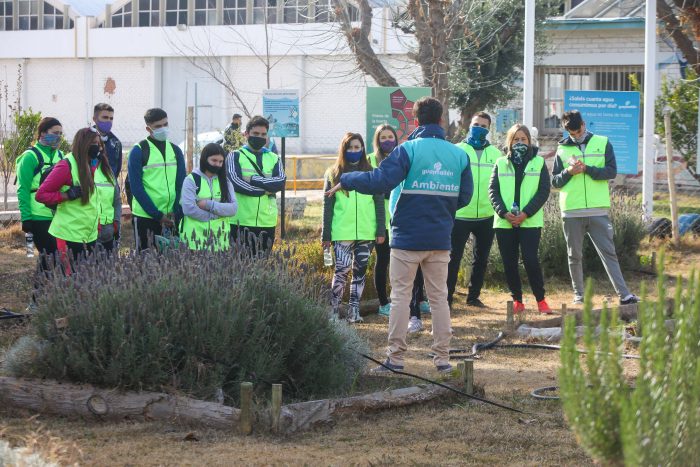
{"points": [[577, 168], [166, 221], [380, 240], [510, 218], [247, 179], [203, 204], [519, 219], [334, 190], [325, 244]]}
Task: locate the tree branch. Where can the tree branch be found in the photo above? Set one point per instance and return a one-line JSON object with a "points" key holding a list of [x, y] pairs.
{"points": [[674, 28]]}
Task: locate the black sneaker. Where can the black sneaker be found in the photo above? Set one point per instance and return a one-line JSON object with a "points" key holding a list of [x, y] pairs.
{"points": [[476, 303], [630, 299]]}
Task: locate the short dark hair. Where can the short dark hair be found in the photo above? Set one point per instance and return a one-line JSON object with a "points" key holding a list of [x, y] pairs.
{"points": [[102, 106], [235, 116], [427, 110], [572, 120], [154, 115], [257, 121], [483, 114]]}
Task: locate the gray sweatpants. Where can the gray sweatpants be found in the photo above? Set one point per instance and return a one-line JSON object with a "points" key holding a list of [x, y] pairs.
{"points": [[600, 230]]}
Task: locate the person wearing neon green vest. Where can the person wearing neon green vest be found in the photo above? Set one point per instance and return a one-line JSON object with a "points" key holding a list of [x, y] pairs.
{"points": [[30, 165], [82, 187], [156, 170], [208, 203], [257, 175], [435, 181], [521, 178], [384, 141], [477, 217], [352, 222], [582, 168]]}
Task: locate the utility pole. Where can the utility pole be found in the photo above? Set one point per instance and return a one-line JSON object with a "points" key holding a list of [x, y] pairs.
{"points": [[671, 178], [648, 152], [529, 64]]}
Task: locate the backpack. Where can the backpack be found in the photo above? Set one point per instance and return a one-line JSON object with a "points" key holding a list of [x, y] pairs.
{"points": [[145, 154], [40, 160]]}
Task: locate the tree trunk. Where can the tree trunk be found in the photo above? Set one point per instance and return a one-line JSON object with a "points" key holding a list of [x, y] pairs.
{"points": [[87, 401], [674, 28]]}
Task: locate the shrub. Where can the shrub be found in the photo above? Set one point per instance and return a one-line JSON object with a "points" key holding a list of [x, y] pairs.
{"points": [[659, 422], [193, 321]]}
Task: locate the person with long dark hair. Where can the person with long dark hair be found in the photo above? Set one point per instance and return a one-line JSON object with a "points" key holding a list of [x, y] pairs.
{"points": [[352, 222], [80, 186], [31, 165], [518, 190], [384, 141], [208, 201]]}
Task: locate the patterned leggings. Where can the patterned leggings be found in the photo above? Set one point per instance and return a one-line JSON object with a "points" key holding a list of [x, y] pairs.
{"points": [[348, 255]]}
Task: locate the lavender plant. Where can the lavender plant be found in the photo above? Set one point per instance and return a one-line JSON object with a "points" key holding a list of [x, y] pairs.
{"points": [[195, 322]]}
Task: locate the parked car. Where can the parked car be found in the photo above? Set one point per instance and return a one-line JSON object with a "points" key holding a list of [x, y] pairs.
{"points": [[202, 140]]}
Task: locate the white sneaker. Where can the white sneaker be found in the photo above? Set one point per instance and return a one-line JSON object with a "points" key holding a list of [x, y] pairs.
{"points": [[414, 325]]}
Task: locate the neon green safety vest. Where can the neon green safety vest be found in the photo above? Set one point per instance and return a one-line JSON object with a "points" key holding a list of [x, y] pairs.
{"points": [[105, 195], [198, 233], [528, 189], [354, 216], [373, 162], [256, 211], [159, 176], [581, 191], [74, 221], [480, 206], [39, 210]]}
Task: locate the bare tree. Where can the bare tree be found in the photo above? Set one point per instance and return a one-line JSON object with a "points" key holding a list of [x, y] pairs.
{"points": [[14, 138]]}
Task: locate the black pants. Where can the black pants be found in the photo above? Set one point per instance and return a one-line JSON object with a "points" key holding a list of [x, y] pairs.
{"points": [[253, 239], [144, 230], [73, 253], [483, 234], [381, 272], [44, 242], [528, 240]]}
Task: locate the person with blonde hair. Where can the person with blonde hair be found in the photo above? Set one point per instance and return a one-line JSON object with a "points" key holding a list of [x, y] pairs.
{"points": [[352, 222], [518, 190]]}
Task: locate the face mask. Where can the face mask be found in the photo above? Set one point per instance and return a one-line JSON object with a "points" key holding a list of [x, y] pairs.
{"points": [[581, 138], [161, 134], [387, 146], [477, 136], [207, 167], [235, 126], [518, 152], [94, 151], [353, 156], [104, 127], [256, 143], [50, 140]]}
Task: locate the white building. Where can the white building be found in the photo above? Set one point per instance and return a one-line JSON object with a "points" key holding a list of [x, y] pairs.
{"points": [[137, 54]]}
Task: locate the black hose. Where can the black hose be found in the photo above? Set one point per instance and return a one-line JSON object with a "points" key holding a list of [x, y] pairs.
{"points": [[538, 393]]}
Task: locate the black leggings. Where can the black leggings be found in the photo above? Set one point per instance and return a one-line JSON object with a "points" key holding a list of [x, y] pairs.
{"points": [[381, 272], [528, 241]]}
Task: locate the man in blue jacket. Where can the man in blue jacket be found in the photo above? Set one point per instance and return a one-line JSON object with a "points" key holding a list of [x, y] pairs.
{"points": [[436, 181]]}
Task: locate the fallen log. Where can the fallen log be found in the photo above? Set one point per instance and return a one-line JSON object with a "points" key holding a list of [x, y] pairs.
{"points": [[626, 313], [87, 401]]}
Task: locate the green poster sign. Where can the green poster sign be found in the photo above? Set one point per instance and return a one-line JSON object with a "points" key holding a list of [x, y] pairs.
{"points": [[393, 106]]}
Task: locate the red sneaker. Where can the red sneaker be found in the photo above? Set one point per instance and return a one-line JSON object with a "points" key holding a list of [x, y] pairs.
{"points": [[518, 307], [543, 307]]}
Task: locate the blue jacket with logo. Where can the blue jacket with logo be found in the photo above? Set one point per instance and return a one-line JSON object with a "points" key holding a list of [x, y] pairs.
{"points": [[436, 181]]}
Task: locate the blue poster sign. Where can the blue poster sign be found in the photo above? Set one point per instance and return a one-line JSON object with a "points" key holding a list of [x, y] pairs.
{"points": [[281, 109], [614, 114]]}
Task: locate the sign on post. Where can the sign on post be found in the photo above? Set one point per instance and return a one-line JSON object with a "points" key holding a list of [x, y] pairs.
{"points": [[393, 106], [281, 109], [614, 114]]}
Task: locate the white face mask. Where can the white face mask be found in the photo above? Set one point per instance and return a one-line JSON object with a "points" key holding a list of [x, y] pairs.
{"points": [[161, 134]]}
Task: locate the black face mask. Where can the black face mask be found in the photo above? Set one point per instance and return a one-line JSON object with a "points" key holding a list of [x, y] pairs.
{"points": [[256, 143], [94, 151], [207, 167], [235, 126]]}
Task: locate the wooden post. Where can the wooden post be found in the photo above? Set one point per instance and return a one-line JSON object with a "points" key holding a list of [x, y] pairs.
{"points": [[246, 420], [671, 178], [468, 376], [653, 261], [563, 309], [510, 321], [276, 407], [190, 137]]}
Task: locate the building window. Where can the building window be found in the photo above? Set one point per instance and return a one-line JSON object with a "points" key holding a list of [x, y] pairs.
{"points": [[234, 11], [325, 12], [5, 15], [264, 11], [149, 13], [204, 12], [296, 11], [53, 17], [122, 17], [28, 14], [175, 12]]}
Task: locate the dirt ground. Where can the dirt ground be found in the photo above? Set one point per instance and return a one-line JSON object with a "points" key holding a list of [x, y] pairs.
{"points": [[452, 431]]}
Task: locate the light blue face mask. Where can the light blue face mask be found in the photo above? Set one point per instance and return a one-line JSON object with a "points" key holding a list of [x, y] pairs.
{"points": [[50, 140], [161, 134]]}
